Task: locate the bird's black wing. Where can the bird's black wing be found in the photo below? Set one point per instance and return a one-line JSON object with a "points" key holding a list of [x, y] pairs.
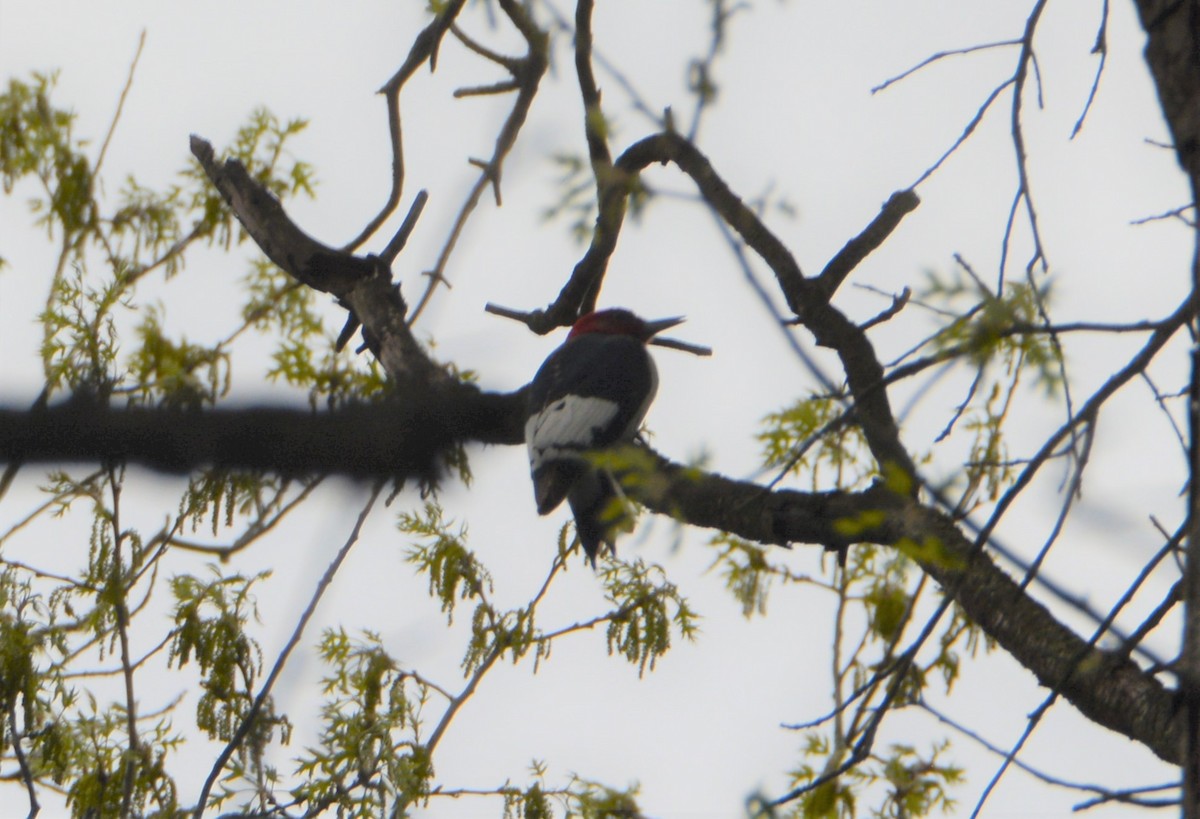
{"points": [[590, 393]]}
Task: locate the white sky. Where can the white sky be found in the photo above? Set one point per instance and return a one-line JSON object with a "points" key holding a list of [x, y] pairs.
{"points": [[795, 117]]}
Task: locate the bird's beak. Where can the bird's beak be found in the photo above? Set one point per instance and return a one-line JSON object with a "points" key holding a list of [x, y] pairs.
{"points": [[655, 327]]}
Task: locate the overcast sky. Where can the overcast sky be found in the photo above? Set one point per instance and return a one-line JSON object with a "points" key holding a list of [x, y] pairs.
{"points": [[795, 118]]}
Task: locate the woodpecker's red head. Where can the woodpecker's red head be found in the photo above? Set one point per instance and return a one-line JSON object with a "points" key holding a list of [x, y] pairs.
{"points": [[620, 322]]}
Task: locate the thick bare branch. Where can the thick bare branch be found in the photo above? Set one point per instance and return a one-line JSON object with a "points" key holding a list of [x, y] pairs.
{"points": [[805, 297], [1173, 54], [361, 283], [303, 257], [395, 438], [406, 440], [1104, 685]]}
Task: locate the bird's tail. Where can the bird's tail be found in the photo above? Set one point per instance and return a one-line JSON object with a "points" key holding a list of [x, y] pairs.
{"points": [[601, 511]]}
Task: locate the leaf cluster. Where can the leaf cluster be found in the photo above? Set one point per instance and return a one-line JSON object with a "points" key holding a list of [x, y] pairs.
{"points": [[102, 756], [995, 327], [369, 760], [813, 438], [211, 619]]}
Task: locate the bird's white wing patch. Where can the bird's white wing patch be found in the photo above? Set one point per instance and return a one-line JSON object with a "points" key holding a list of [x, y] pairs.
{"points": [[567, 426]]}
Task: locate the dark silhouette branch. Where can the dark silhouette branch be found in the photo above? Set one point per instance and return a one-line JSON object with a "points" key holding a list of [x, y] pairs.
{"points": [[402, 439], [526, 73], [898, 205], [1108, 688], [805, 297], [424, 48], [406, 440], [362, 284], [1104, 685], [1172, 49]]}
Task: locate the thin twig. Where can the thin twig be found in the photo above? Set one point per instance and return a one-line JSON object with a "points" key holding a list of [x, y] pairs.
{"points": [[120, 588], [966, 133], [527, 72], [1101, 48], [1158, 339], [22, 762], [1024, 192], [1100, 791], [1056, 687], [255, 530], [1173, 213], [1069, 498], [684, 346], [1161, 401], [252, 715], [702, 69], [424, 48], [398, 241], [899, 302], [112, 126], [941, 55]]}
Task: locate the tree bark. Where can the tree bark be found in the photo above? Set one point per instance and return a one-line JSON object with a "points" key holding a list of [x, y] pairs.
{"points": [[1173, 55]]}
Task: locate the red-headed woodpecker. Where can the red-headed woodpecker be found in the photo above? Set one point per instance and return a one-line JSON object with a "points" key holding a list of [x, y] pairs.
{"points": [[590, 394]]}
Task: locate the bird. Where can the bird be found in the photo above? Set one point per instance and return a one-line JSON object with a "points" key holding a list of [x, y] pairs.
{"points": [[590, 394]]}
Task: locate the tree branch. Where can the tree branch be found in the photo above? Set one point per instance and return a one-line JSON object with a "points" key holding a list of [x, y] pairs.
{"points": [[807, 298], [898, 205], [1107, 687], [406, 439], [403, 439], [1173, 55], [363, 284]]}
